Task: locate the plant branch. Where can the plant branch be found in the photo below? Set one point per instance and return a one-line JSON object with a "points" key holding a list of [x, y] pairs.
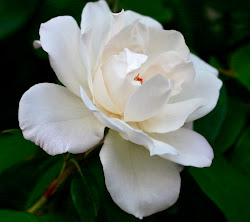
{"points": [[115, 6], [63, 175]]}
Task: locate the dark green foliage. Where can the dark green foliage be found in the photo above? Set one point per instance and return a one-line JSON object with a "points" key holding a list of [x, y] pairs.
{"points": [[12, 216], [217, 30], [240, 155], [43, 182], [14, 148], [227, 187], [210, 125], [232, 126], [239, 62]]}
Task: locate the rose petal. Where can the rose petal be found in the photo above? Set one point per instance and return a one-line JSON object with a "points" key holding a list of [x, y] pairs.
{"points": [[101, 95], [60, 38], [201, 65], [205, 86], [95, 26], [194, 150], [128, 132], [95, 14], [161, 41], [171, 117], [173, 67], [57, 120], [148, 99], [138, 183], [98, 25]]}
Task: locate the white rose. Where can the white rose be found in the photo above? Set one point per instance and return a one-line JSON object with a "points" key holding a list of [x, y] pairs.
{"points": [[124, 72]]}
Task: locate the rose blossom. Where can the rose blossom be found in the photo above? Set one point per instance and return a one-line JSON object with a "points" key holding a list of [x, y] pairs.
{"points": [[124, 72]]}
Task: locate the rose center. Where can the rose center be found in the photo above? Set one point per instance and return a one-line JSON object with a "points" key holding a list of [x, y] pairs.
{"points": [[137, 78]]}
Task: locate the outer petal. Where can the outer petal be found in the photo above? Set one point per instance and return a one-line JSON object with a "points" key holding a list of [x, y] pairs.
{"points": [[95, 26], [60, 38], [95, 14], [131, 16], [206, 86], [171, 117], [127, 132], [138, 183], [194, 150], [57, 120], [148, 99], [98, 25], [201, 65]]}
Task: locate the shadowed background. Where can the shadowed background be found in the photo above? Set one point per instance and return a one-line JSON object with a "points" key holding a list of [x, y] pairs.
{"points": [[215, 30]]}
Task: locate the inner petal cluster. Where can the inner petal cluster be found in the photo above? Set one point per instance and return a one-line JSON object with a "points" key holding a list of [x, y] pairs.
{"points": [[131, 58], [119, 78]]}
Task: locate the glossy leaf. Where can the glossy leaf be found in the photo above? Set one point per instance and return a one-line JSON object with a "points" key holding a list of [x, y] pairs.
{"points": [[231, 127], [226, 187], [85, 192], [14, 216], [14, 148], [240, 155], [239, 63], [83, 198], [209, 126], [18, 181], [54, 217], [44, 181]]}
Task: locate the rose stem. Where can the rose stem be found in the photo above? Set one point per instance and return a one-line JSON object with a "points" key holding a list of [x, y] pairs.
{"points": [[63, 175]]}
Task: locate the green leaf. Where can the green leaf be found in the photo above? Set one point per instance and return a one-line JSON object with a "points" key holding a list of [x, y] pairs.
{"points": [[241, 154], [14, 14], [16, 216], [60, 207], [209, 126], [226, 187], [18, 181], [44, 181], [214, 62], [233, 124], [55, 217], [84, 200], [85, 196], [94, 191], [14, 148], [239, 62]]}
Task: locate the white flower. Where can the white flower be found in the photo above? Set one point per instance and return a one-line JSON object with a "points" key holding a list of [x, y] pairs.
{"points": [[124, 72]]}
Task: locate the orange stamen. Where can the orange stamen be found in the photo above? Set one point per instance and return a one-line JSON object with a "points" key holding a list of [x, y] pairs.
{"points": [[137, 78]]}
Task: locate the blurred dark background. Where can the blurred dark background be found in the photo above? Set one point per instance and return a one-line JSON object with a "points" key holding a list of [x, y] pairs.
{"points": [[217, 31]]}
